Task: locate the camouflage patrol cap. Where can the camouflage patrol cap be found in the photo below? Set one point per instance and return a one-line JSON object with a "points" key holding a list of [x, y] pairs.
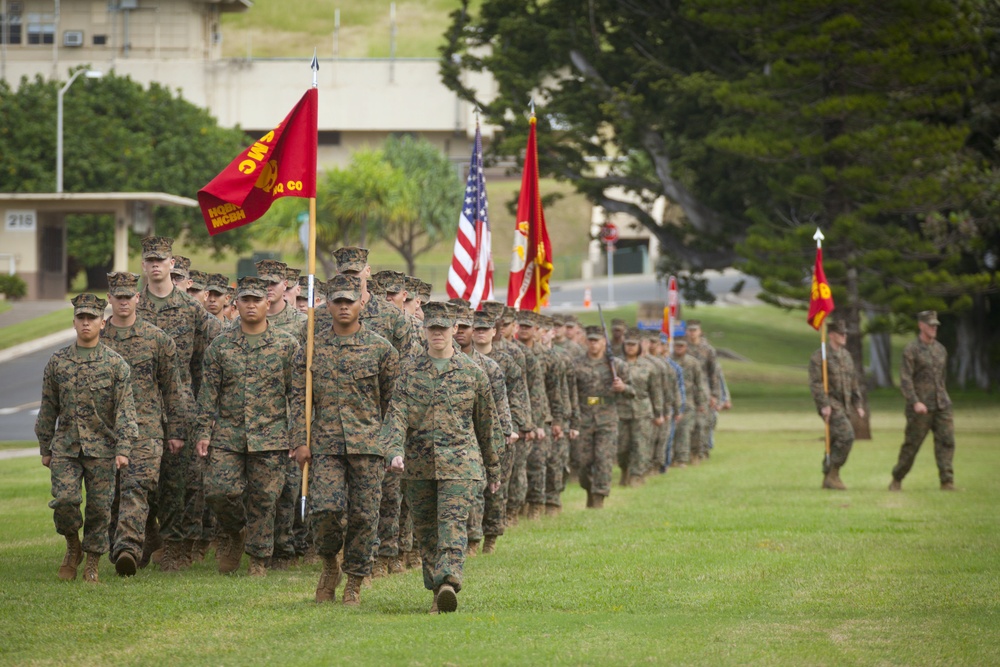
{"points": [[594, 332], [351, 258], [199, 279], [182, 267], [694, 325], [292, 275], [88, 304], [680, 340], [343, 286], [251, 286], [483, 320], [928, 317], [633, 335], [304, 283], [424, 291], [390, 281], [572, 321], [837, 326], [437, 314], [509, 315], [526, 318], [619, 323], [157, 247], [543, 321], [462, 311], [411, 285], [218, 283], [494, 309], [271, 270], [558, 319], [123, 283]]}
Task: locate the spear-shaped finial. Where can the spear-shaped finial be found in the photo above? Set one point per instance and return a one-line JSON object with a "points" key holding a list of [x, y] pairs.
{"points": [[477, 115], [531, 103], [819, 238], [315, 69]]}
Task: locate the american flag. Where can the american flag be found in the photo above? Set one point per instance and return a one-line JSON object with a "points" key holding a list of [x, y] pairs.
{"points": [[471, 274]]}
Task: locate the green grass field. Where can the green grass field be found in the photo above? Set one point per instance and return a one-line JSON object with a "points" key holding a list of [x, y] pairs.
{"points": [[36, 328], [743, 560]]}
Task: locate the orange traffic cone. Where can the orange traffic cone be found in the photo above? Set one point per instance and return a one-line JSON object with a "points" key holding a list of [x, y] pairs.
{"points": [[586, 298]]}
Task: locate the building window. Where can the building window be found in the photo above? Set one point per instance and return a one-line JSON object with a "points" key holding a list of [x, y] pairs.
{"points": [[52, 249], [329, 137], [100, 40], [10, 29], [41, 29]]}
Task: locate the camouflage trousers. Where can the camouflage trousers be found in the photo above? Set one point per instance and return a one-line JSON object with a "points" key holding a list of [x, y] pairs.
{"points": [[517, 487], [440, 511], [474, 527], [260, 475], [290, 533], [598, 445], [537, 466], [167, 504], [344, 497], [555, 470], [192, 521], [635, 444], [682, 436], [942, 424], [841, 439], [562, 450], [388, 515], [495, 510], [70, 475], [136, 484], [660, 435], [405, 521], [700, 433]]}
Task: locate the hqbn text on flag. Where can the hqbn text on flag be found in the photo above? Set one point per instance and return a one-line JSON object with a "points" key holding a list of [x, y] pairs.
{"points": [[225, 214]]}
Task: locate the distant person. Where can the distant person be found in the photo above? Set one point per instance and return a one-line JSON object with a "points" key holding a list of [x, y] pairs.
{"points": [[86, 428], [833, 406], [928, 406]]}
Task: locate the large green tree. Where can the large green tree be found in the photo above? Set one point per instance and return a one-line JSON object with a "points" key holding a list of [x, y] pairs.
{"points": [[119, 137]]}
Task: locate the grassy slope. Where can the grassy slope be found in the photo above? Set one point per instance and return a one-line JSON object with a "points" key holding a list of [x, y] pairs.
{"points": [[36, 328]]}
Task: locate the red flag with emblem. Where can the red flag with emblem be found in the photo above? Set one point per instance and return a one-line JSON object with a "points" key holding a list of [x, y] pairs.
{"points": [[531, 260], [821, 298], [282, 163]]}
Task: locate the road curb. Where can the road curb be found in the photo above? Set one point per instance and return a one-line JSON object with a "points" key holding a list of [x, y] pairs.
{"points": [[16, 351], [17, 453]]}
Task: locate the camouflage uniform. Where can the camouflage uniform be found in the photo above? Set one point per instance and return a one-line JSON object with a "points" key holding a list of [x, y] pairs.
{"points": [[517, 484], [671, 407], [163, 412], [89, 393], [922, 379], [701, 431], [542, 383], [695, 400], [353, 378], [243, 411], [448, 423], [635, 415], [598, 424], [498, 388], [844, 396], [179, 500], [569, 353]]}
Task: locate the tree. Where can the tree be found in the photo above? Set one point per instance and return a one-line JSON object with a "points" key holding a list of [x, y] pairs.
{"points": [[433, 199], [118, 137]]}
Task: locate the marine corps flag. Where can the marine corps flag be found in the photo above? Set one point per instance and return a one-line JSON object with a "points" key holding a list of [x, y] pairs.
{"points": [[820, 299], [282, 163], [531, 260]]}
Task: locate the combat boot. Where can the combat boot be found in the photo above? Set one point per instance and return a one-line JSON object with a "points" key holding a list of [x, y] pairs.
{"points": [[552, 510], [473, 549], [199, 551], [125, 564], [828, 480], [413, 559], [590, 500], [71, 561], [230, 552], [311, 557], [434, 604], [512, 518], [380, 568], [151, 544], [258, 567], [171, 559], [835, 475], [624, 480], [447, 599], [90, 569], [948, 486], [396, 565], [186, 556], [352, 591], [598, 502], [534, 511], [896, 485], [490, 544], [695, 460], [329, 579]]}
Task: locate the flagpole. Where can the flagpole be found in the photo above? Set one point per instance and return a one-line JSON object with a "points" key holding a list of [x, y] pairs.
{"points": [[311, 321], [538, 218], [822, 346]]}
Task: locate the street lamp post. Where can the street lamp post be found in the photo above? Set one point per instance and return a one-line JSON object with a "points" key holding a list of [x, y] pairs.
{"points": [[90, 74]]}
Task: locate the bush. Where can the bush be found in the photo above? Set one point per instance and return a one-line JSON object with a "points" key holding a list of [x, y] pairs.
{"points": [[13, 287]]}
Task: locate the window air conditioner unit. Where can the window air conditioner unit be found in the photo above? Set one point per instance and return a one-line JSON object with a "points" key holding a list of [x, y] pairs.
{"points": [[73, 38]]}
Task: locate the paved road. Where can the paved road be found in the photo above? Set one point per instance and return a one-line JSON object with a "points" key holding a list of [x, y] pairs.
{"points": [[20, 391], [630, 289]]}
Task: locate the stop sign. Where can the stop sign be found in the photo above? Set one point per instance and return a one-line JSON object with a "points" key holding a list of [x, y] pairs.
{"points": [[609, 232]]}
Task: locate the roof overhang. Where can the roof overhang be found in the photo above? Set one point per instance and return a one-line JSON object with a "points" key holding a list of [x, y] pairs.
{"points": [[82, 202]]}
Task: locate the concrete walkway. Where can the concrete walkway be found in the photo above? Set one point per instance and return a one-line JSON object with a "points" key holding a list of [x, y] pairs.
{"points": [[22, 311], [18, 453]]}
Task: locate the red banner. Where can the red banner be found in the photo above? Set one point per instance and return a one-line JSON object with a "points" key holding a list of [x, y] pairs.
{"points": [[531, 260], [821, 298], [282, 163]]}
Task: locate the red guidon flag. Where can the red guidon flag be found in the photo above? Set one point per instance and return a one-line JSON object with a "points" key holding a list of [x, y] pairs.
{"points": [[821, 298], [531, 260], [282, 163]]}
